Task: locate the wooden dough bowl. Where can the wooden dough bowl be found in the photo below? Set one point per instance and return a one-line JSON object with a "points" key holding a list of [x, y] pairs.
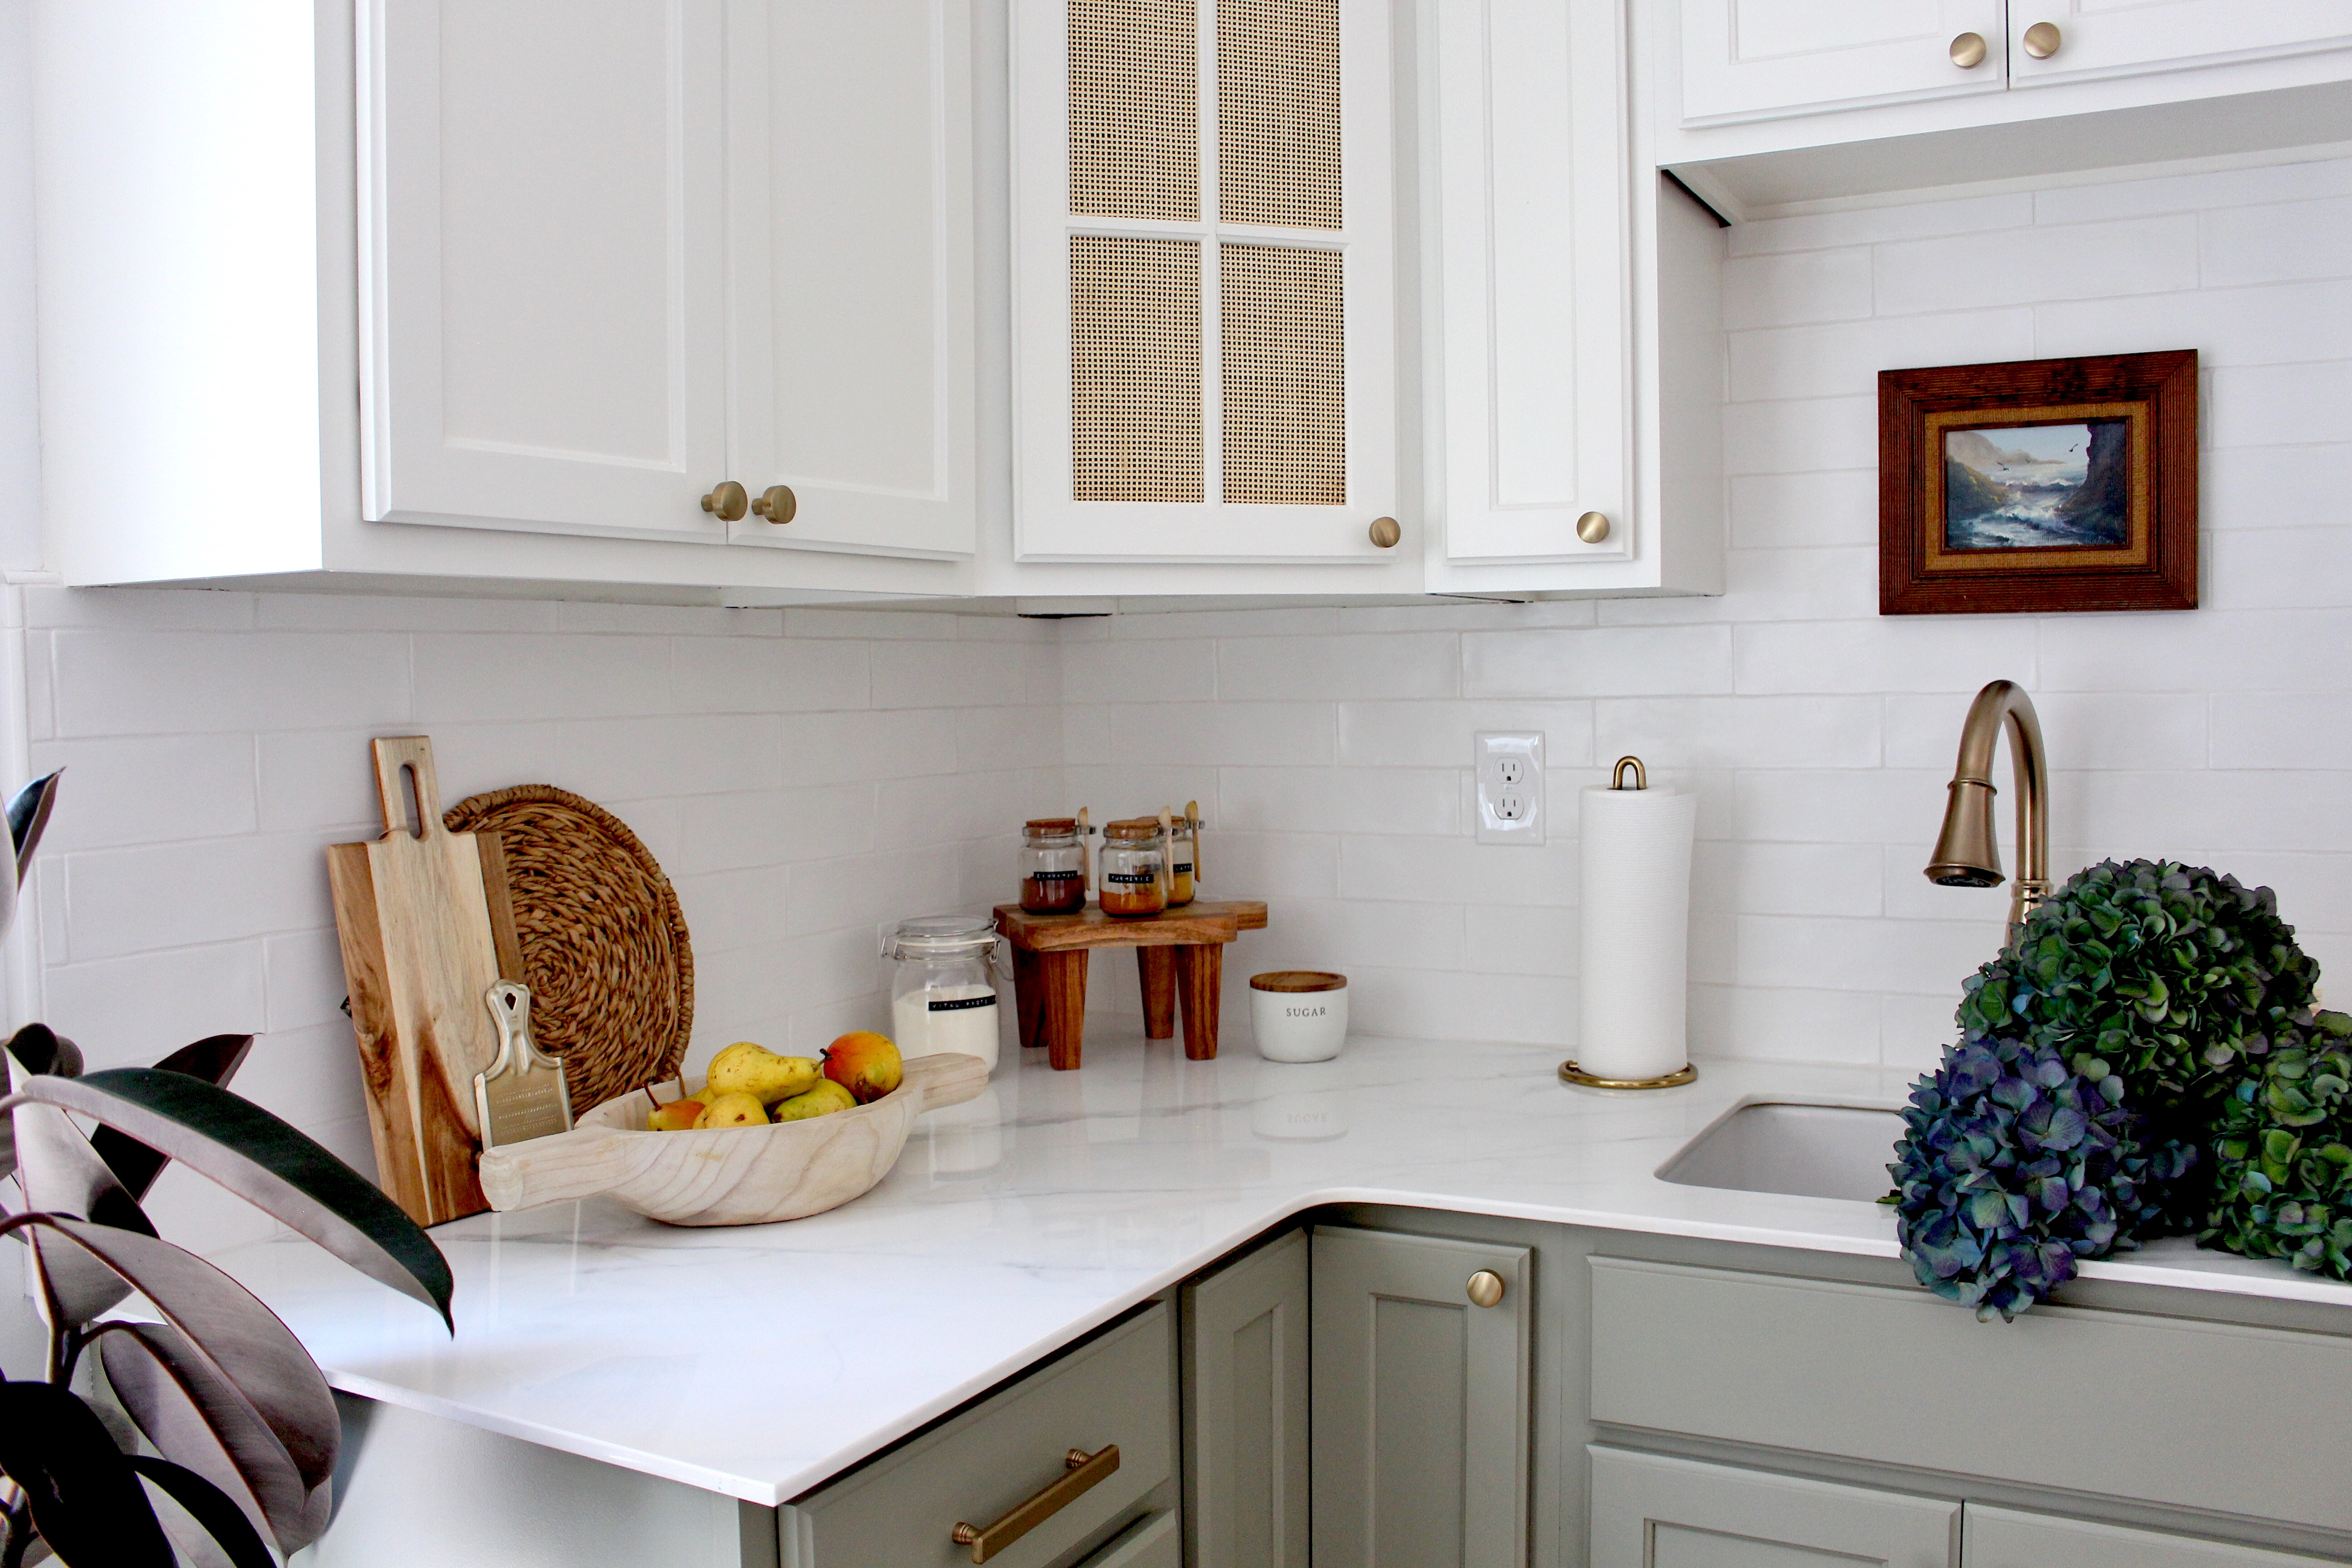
{"points": [[727, 1176]]}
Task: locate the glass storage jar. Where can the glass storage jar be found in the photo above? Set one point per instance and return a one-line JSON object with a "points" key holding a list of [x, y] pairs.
{"points": [[942, 997], [1134, 868], [1053, 866], [1183, 850]]}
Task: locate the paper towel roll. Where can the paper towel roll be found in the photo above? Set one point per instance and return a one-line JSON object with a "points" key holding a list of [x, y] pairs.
{"points": [[1635, 953]]}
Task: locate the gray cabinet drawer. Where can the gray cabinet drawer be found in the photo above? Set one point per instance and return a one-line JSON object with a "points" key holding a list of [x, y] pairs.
{"points": [[900, 1509], [2121, 1403]]}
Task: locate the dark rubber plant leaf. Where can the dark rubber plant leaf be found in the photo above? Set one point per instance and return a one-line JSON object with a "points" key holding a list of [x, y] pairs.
{"points": [[238, 1337], [28, 818], [61, 1174], [267, 1163], [210, 1507], [198, 1418], [40, 1049], [215, 1059], [84, 1497]]}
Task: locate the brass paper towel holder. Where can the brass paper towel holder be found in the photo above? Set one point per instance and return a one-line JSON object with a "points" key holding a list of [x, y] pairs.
{"points": [[1569, 1071]]}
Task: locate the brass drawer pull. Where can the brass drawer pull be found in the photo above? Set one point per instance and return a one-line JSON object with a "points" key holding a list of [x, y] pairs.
{"points": [[1085, 1470]]}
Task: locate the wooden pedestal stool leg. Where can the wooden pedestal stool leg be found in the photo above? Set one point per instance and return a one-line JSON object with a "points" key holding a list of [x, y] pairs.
{"points": [[1157, 966], [1028, 994], [1064, 1023], [1201, 982]]}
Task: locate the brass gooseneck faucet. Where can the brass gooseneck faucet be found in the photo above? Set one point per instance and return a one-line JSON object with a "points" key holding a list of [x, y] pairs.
{"points": [[1966, 853]]}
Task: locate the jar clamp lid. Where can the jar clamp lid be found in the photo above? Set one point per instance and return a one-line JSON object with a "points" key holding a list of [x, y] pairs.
{"points": [[942, 936]]}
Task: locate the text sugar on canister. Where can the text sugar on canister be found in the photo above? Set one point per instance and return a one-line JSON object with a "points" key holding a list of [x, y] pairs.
{"points": [[942, 995]]}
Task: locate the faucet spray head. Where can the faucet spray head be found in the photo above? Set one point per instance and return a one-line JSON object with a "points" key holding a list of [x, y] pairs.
{"points": [[1966, 854]]}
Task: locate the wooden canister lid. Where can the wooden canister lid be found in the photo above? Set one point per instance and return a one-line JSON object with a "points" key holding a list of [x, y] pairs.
{"points": [[1298, 980]]}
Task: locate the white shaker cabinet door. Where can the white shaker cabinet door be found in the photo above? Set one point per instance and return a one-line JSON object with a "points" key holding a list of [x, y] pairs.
{"points": [[1759, 59], [850, 209], [1650, 1511], [541, 264], [2126, 37], [1537, 354], [2004, 1538]]}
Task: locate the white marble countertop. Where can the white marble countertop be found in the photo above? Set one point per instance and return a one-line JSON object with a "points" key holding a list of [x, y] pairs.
{"points": [[759, 1361]]}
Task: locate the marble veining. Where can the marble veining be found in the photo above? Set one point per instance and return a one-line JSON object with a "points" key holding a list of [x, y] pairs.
{"points": [[759, 1361]]}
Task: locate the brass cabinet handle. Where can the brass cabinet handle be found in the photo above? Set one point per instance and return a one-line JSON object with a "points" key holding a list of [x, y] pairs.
{"points": [[2043, 38], [1385, 532], [777, 504], [727, 502], [1968, 51], [1486, 1288], [1592, 528], [1086, 1470]]}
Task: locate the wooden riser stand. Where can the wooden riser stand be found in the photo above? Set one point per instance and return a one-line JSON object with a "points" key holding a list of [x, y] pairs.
{"points": [[1179, 954]]}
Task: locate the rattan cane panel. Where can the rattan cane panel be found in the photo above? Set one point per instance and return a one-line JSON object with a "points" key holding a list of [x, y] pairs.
{"points": [[1135, 106], [1278, 112], [1282, 309], [1135, 369]]}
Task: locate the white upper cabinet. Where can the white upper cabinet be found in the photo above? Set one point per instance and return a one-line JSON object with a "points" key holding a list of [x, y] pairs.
{"points": [[1536, 339], [617, 251], [850, 201], [1203, 314], [1753, 59], [2115, 37], [1573, 351], [541, 292]]}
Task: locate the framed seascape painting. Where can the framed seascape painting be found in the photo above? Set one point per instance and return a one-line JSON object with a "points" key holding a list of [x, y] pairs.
{"points": [[2052, 484]]}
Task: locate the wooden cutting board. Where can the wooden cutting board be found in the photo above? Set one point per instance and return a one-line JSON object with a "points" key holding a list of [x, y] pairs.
{"points": [[415, 909]]}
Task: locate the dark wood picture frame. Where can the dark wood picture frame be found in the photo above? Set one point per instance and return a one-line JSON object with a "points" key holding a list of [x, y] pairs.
{"points": [[1922, 573]]}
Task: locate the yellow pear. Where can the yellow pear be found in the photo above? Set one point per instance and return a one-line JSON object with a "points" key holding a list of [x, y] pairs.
{"points": [[825, 1099], [733, 1111], [673, 1116], [746, 1069]]}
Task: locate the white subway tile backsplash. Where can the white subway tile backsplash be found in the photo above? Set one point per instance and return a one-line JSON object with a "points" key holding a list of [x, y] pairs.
{"points": [[1845, 360], [762, 675], [1825, 231], [125, 902], [113, 798], [171, 683], [1279, 735], [2270, 244], [1802, 438], [2276, 324], [2283, 729], [2028, 265], [1629, 662], [1457, 870], [2274, 487], [1740, 732], [2279, 405], [1441, 734], [1793, 1023], [134, 1011], [1339, 667], [1341, 800], [547, 675], [1907, 653], [1800, 512], [1788, 290]]}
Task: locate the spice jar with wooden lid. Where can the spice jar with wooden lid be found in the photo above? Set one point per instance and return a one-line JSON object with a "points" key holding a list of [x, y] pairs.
{"points": [[1183, 854], [1134, 868], [1053, 866]]}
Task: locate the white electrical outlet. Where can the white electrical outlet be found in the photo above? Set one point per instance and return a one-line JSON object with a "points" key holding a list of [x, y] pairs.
{"points": [[1510, 786]]}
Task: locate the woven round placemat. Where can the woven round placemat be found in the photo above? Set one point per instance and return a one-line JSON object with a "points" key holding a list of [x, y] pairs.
{"points": [[603, 943]]}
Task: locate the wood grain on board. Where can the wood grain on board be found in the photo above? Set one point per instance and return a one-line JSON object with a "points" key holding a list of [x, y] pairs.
{"points": [[413, 911]]}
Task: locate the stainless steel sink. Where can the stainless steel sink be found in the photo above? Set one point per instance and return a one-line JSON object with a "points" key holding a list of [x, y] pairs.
{"points": [[1812, 1150]]}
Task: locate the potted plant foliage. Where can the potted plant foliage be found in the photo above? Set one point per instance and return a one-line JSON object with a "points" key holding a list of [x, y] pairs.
{"points": [[210, 1400]]}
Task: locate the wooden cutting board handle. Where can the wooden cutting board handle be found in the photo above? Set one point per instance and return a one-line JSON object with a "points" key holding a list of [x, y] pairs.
{"points": [[413, 908]]}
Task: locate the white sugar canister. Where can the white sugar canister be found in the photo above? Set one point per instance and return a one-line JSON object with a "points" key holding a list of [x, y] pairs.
{"points": [[942, 997], [1298, 1015]]}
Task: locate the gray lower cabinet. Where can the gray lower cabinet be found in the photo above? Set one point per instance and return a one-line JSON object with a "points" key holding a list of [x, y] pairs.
{"points": [[1420, 1402], [1245, 1410], [901, 1511], [1651, 1511], [2005, 1538]]}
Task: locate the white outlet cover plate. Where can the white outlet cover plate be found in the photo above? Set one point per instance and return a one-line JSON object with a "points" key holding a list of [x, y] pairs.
{"points": [[1496, 752]]}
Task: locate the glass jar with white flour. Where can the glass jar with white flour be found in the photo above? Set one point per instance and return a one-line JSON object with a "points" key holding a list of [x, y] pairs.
{"points": [[942, 997]]}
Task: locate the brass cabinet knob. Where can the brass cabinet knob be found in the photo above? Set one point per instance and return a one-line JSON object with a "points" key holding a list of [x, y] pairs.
{"points": [[728, 502], [1592, 528], [2043, 38], [1968, 51], [1385, 532], [777, 504], [1486, 1288]]}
